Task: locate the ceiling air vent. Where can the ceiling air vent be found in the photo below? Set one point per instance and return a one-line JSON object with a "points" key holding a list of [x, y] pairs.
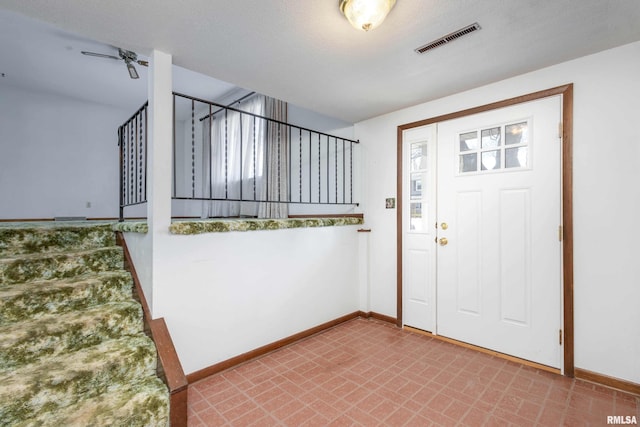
{"points": [[448, 38]]}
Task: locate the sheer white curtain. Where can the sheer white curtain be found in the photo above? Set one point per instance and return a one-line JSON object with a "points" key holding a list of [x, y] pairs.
{"points": [[249, 160], [234, 143], [276, 186]]}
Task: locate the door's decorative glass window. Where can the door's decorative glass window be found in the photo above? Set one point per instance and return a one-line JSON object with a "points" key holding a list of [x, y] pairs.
{"points": [[517, 133], [491, 152], [490, 160], [469, 162], [416, 222], [491, 138], [469, 141], [418, 157], [416, 186], [418, 175], [516, 157]]}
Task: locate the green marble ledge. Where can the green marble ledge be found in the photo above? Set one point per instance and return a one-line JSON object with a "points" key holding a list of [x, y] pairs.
{"points": [[226, 225], [235, 224], [131, 227]]}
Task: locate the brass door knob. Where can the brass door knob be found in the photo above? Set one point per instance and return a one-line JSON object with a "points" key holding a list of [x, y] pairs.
{"points": [[443, 241], [444, 225]]}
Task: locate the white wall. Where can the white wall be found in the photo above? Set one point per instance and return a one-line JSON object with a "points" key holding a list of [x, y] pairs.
{"points": [[606, 199], [57, 154], [223, 294]]}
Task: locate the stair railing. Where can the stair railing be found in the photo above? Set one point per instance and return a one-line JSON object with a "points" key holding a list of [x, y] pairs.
{"points": [[132, 141], [319, 168]]}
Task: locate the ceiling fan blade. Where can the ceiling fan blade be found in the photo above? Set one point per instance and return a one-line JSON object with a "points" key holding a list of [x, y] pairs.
{"points": [[100, 55], [143, 63], [133, 73]]}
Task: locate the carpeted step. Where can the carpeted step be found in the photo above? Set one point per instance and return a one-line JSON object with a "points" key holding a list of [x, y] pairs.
{"points": [[54, 237], [72, 346], [32, 300], [71, 378], [140, 404], [29, 341], [24, 268]]}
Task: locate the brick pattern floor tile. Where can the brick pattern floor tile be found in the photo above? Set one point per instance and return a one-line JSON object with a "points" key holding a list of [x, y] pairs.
{"points": [[370, 373]]}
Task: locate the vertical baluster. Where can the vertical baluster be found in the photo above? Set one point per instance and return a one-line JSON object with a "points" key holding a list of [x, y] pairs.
{"points": [[226, 142], [266, 155], [300, 167], [343, 174], [255, 174], [193, 149], [328, 186], [146, 132], [351, 172], [336, 166], [319, 168], [174, 149], [289, 197], [210, 151], [140, 140], [120, 208], [241, 144], [131, 161], [278, 154], [134, 121], [310, 151], [123, 170]]}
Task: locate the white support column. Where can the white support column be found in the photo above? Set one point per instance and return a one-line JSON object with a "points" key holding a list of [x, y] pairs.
{"points": [[160, 149], [159, 163]]}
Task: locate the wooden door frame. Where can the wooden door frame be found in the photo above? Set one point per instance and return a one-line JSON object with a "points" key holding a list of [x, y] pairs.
{"points": [[566, 92]]}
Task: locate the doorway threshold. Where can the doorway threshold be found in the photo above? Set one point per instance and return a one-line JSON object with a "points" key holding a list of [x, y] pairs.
{"points": [[486, 351]]}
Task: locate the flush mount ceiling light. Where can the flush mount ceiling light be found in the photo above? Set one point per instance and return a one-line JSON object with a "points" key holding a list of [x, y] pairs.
{"points": [[366, 14]]}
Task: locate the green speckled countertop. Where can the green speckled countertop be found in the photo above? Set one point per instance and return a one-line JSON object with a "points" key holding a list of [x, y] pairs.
{"points": [[131, 227], [225, 225], [186, 227]]}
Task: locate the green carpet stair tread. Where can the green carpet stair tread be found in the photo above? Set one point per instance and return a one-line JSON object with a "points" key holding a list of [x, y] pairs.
{"points": [[23, 268], [143, 404], [32, 300], [59, 381], [29, 341], [72, 347], [29, 239]]}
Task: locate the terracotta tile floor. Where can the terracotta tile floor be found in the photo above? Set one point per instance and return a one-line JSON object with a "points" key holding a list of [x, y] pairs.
{"points": [[365, 372]]}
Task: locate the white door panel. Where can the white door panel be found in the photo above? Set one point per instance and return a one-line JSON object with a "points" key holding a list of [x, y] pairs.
{"points": [[498, 278], [419, 260]]}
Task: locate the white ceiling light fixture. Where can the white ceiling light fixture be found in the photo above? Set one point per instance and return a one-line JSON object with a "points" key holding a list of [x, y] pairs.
{"points": [[366, 14]]}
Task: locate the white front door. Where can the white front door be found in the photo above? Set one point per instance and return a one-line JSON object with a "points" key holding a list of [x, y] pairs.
{"points": [[487, 186], [499, 213]]}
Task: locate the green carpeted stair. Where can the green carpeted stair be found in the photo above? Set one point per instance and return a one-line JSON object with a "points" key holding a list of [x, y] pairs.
{"points": [[73, 351]]}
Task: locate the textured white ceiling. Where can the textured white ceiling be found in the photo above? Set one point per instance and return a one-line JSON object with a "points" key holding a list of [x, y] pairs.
{"points": [[305, 52]]}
